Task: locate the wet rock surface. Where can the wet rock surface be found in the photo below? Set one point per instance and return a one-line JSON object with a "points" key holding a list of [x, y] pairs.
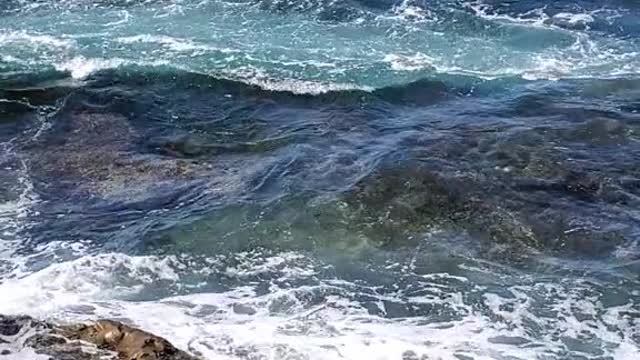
{"points": [[102, 339], [97, 157], [522, 213], [539, 175]]}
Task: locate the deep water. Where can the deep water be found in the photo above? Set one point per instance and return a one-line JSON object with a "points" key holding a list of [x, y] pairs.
{"points": [[365, 179]]}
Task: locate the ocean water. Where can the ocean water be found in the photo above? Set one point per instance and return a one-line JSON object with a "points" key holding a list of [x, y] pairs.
{"points": [[327, 179]]}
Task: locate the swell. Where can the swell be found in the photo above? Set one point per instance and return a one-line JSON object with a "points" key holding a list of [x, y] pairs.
{"points": [[499, 166], [44, 87], [49, 83]]}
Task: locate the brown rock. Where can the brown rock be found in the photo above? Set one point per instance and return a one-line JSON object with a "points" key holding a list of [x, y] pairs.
{"points": [[99, 340], [128, 342]]}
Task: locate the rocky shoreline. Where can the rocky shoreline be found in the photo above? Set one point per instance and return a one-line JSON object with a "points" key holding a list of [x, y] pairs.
{"points": [[23, 337]]}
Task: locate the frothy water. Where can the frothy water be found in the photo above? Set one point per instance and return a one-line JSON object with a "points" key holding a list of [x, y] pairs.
{"points": [[284, 42], [516, 317]]}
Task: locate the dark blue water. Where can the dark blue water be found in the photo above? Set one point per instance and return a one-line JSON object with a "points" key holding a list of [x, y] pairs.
{"points": [[327, 179]]}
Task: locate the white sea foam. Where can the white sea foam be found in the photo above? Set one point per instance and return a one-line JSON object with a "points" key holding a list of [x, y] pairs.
{"points": [[70, 283], [535, 17], [415, 62], [584, 59], [574, 19], [172, 43], [590, 56], [289, 324], [12, 59], [408, 10], [260, 78], [547, 69], [16, 349], [80, 67], [207, 323], [32, 39], [302, 86], [124, 18], [539, 18], [14, 214]]}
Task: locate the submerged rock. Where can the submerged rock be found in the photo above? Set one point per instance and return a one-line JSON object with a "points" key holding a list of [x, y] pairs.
{"points": [[243, 309], [102, 339], [507, 213], [413, 198], [94, 153]]}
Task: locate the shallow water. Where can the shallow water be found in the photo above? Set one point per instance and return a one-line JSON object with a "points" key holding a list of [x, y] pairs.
{"points": [[326, 179]]}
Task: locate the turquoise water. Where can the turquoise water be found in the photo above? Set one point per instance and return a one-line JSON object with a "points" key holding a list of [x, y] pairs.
{"points": [[365, 179], [316, 46]]}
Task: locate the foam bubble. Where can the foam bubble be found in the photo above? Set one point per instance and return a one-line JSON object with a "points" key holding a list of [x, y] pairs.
{"points": [[408, 10], [33, 39], [538, 17], [124, 18], [63, 285], [171, 43], [209, 323], [547, 69], [260, 78], [535, 17], [407, 37], [18, 352], [80, 67], [14, 217], [324, 319], [574, 19], [414, 62]]}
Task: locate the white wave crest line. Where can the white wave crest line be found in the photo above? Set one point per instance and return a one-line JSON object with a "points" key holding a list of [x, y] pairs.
{"points": [[539, 18], [547, 67], [25, 103], [34, 39], [81, 67], [124, 18], [259, 77], [415, 62], [408, 11], [172, 43], [481, 10]]}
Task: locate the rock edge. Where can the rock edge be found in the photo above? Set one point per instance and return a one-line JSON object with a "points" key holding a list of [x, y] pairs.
{"points": [[101, 339]]}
